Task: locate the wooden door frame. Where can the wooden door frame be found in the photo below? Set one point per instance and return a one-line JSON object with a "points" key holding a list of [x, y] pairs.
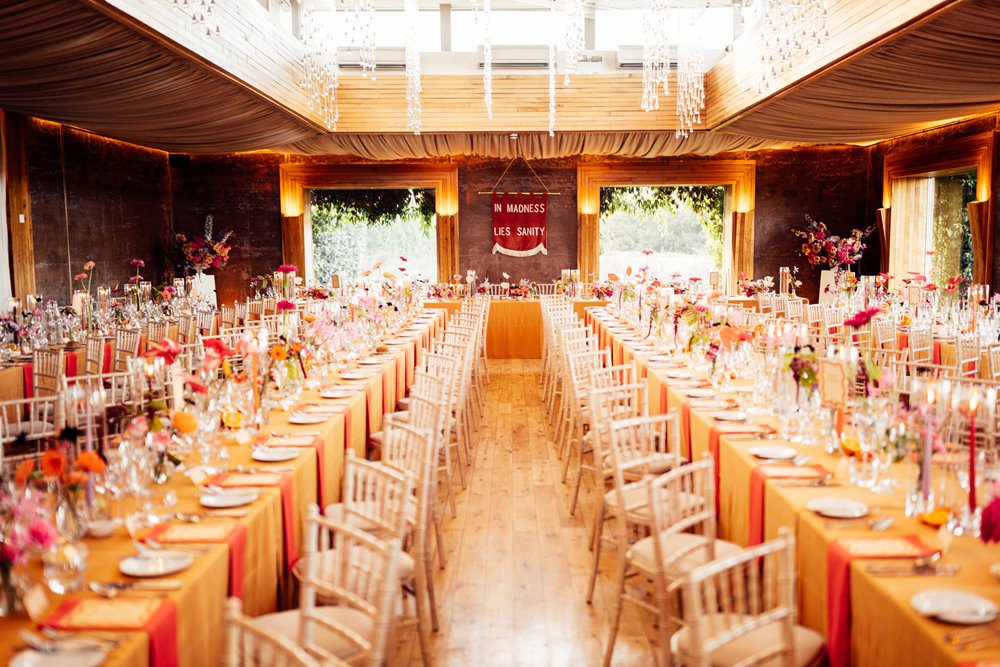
{"points": [[298, 177]]}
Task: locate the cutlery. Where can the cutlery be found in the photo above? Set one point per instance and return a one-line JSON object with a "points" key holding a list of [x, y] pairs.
{"points": [[65, 645], [112, 589], [875, 523], [226, 514], [913, 571], [298, 434], [152, 548], [973, 639], [807, 483], [255, 470], [106, 638], [188, 517]]}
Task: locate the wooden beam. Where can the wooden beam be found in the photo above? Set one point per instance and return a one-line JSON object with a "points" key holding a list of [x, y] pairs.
{"points": [[22, 246]]}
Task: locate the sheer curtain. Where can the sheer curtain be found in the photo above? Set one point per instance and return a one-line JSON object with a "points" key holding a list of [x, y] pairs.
{"points": [[912, 208]]}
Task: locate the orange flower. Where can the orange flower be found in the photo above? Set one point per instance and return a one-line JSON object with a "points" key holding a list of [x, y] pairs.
{"points": [[278, 353], [296, 347], [91, 462], [75, 477], [184, 422], [53, 463], [23, 472]]}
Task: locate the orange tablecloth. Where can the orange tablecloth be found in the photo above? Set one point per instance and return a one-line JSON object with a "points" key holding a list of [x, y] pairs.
{"points": [[884, 630], [514, 330], [266, 580]]}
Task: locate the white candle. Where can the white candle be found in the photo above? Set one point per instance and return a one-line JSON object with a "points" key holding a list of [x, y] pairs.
{"points": [[177, 388]]}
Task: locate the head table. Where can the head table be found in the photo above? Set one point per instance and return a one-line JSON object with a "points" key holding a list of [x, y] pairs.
{"points": [[866, 619], [271, 528]]}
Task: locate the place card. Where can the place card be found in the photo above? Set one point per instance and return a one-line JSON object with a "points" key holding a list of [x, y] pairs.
{"points": [[120, 613], [834, 387], [908, 546], [237, 479], [200, 532]]}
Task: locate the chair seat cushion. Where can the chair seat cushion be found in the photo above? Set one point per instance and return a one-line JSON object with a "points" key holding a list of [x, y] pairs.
{"points": [[808, 650], [637, 500], [329, 556], [642, 554], [286, 623]]}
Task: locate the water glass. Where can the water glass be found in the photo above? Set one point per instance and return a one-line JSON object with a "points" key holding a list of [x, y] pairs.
{"points": [[64, 566]]}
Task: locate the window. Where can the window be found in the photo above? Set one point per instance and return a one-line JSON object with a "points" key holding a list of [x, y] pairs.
{"points": [[352, 230]]}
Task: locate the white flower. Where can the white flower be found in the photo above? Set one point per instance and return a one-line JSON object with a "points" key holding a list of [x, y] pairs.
{"points": [[506, 276]]}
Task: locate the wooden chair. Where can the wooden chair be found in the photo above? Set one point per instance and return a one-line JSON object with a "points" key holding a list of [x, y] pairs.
{"points": [[206, 322], [242, 313], [740, 609], [967, 356], [34, 419], [185, 329], [156, 331], [546, 289], [363, 581], [126, 348], [94, 361], [765, 302], [993, 361], [921, 345], [47, 371], [228, 316], [249, 644]]}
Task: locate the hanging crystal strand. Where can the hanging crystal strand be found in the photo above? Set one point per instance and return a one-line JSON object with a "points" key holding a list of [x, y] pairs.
{"points": [[575, 25], [655, 53], [413, 106], [690, 88], [552, 83], [320, 71], [487, 59], [790, 30], [368, 39]]}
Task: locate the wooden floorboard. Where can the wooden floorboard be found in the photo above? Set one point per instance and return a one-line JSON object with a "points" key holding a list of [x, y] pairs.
{"points": [[514, 591]]}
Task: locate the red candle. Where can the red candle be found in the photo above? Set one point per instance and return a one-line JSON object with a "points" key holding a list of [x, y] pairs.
{"points": [[973, 401]]}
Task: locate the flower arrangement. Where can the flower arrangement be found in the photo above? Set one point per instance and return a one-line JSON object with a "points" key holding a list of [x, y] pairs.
{"points": [[803, 364], [284, 281], [441, 291], [200, 253], [820, 248], [954, 283], [22, 531], [754, 287], [522, 290], [602, 290], [861, 318]]}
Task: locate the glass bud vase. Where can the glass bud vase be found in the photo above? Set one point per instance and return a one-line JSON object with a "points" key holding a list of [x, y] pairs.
{"points": [[70, 519]]}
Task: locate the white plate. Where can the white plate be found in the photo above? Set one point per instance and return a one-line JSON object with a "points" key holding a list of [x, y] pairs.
{"points": [[155, 564], [336, 393], [662, 359], [838, 508], [678, 375], [731, 416], [274, 454], [91, 657], [700, 393], [953, 606], [773, 452], [371, 361], [304, 418], [356, 375], [228, 499]]}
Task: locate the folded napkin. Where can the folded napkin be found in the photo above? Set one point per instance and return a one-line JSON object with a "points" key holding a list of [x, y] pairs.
{"points": [[284, 484], [715, 433], [290, 441], [838, 582], [328, 409], [158, 618], [235, 535], [710, 404], [757, 476]]}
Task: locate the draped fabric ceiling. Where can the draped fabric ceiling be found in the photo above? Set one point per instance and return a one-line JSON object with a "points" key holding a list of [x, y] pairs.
{"points": [[65, 61]]}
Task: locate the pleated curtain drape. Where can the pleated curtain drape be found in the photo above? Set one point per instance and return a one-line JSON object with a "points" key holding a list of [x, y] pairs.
{"points": [[982, 241]]}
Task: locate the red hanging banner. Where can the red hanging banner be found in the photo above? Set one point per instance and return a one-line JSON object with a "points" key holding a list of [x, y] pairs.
{"points": [[519, 223]]}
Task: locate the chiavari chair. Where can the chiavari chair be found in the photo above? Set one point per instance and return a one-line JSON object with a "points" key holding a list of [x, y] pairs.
{"points": [[993, 361], [47, 371], [156, 330], [126, 348], [185, 329], [93, 363], [967, 356], [227, 316], [249, 644], [741, 609]]}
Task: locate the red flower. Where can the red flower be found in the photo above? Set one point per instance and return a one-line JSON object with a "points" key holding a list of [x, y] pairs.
{"points": [[138, 263], [196, 384], [166, 349], [285, 305], [287, 268], [80, 276], [861, 318], [218, 347]]}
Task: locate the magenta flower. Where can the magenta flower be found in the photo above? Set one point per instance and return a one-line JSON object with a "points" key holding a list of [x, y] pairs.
{"points": [[89, 265], [288, 268], [42, 533], [861, 318], [285, 305], [138, 263]]}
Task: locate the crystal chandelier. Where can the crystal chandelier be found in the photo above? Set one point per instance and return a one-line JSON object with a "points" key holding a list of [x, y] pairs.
{"points": [[361, 33], [320, 72], [574, 37], [655, 53], [413, 108], [789, 30], [202, 13], [690, 88], [487, 59]]}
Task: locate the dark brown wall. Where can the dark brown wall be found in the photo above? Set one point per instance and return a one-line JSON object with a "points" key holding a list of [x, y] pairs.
{"points": [[116, 207], [242, 193], [830, 185], [475, 235]]}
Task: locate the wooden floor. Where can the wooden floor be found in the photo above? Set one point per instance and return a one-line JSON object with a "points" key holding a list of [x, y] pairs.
{"points": [[514, 590]]}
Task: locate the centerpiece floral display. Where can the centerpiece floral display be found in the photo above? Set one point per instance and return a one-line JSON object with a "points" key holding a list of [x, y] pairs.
{"points": [[823, 249], [804, 366], [754, 287], [23, 531], [200, 253]]}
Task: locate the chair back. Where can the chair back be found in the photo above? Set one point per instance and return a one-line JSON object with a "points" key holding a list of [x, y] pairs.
{"points": [[185, 329], [94, 361], [729, 598], [126, 348], [156, 331], [47, 371], [364, 578], [376, 496], [249, 644]]}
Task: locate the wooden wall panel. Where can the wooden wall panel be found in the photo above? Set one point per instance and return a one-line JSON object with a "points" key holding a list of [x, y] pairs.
{"points": [[18, 204]]}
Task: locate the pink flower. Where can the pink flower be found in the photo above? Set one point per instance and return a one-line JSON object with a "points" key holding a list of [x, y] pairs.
{"points": [[137, 428], [990, 523], [288, 268], [166, 349], [861, 318], [284, 304], [80, 276], [89, 265], [138, 263], [647, 252], [135, 279], [195, 383], [42, 533], [246, 347], [403, 258]]}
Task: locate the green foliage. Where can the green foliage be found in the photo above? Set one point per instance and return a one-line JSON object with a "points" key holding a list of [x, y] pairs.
{"points": [[352, 229], [641, 202], [952, 236], [373, 207]]}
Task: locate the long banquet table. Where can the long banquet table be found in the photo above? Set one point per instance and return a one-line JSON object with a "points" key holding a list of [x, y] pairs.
{"points": [[514, 330], [272, 528], [884, 629]]}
